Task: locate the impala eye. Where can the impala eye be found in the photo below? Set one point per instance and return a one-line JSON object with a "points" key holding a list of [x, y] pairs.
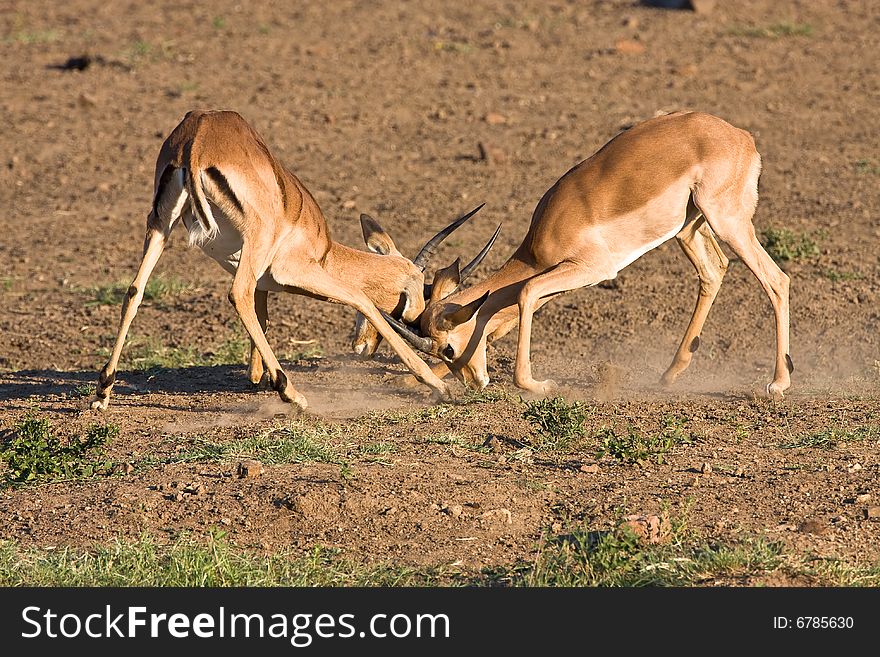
{"points": [[448, 352]]}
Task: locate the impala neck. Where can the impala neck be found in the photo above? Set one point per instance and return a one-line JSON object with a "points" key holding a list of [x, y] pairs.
{"points": [[369, 272]]}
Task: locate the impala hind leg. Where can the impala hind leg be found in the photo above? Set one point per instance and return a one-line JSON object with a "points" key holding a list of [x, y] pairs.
{"points": [[701, 248], [562, 278], [737, 230], [256, 371], [154, 244]]}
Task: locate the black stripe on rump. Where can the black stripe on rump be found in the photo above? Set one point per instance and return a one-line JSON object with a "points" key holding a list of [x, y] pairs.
{"points": [[223, 185], [160, 188]]}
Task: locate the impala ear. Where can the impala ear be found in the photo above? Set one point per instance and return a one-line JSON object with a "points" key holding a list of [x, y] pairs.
{"points": [[377, 240], [463, 314], [446, 281]]}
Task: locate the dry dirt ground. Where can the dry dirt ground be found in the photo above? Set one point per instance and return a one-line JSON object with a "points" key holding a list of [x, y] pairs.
{"points": [[381, 108]]}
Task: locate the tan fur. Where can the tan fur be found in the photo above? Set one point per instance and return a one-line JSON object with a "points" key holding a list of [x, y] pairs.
{"points": [[688, 175], [285, 244]]}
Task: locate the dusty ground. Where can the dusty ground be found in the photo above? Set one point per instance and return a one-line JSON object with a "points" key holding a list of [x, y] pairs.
{"points": [[381, 109]]}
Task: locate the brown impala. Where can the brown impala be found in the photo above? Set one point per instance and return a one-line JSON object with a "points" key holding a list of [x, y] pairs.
{"points": [[259, 222], [686, 175]]}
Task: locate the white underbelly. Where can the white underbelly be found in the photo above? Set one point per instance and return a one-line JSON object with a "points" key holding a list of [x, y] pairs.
{"points": [[225, 248]]}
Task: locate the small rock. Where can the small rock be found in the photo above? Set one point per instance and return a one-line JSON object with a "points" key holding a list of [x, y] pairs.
{"points": [[493, 444], [453, 510], [864, 498], [649, 529], [388, 511], [349, 204], [629, 47], [225, 521], [177, 497], [592, 468], [739, 472], [249, 469], [853, 467], [493, 118], [872, 512], [706, 468], [812, 526], [631, 22]]}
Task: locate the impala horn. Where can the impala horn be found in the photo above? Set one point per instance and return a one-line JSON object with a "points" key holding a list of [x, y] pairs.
{"points": [[421, 260], [472, 265], [421, 343]]}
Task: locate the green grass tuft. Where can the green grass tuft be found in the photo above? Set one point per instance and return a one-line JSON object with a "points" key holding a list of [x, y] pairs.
{"points": [[637, 447], [158, 288], [189, 563], [33, 452], [783, 245], [557, 423]]}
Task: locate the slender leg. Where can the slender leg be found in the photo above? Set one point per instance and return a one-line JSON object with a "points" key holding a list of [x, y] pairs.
{"points": [[735, 228], [565, 276], [699, 245], [317, 281], [153, 247], [776, 284], [255, 367], [242, 296], [438, 369]]}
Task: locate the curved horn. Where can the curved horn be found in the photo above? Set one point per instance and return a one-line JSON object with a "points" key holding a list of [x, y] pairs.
{"points": [[419, 342], [421, 260], [473, 264]]}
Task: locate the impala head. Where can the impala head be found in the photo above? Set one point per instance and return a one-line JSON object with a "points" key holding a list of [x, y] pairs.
{"points": [[451, 330], [399, 288]]}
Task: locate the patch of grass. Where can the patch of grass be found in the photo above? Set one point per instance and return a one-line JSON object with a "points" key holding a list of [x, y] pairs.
{"points": [[219, 22], [836, 276], [190, 563], [28, 37], [618, 558], [557, 423], [296, 443], [834, 572], [158, 288], [6, 283], [233, 351], [784, 245], [32, 452], [380, 448], [637, 447], [451, 439], [866, 167], [831, 437], [774, 31]]}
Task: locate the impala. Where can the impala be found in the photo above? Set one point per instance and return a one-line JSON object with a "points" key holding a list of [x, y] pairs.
{"points": [[686, 175], [259, 222]]}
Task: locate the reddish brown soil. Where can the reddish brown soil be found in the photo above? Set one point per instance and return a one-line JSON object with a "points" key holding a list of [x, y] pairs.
{"points": [[380, 109]]}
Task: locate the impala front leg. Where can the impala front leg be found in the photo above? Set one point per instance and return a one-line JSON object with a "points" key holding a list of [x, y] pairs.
{"points": [[319, 282], [561, 278]]}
